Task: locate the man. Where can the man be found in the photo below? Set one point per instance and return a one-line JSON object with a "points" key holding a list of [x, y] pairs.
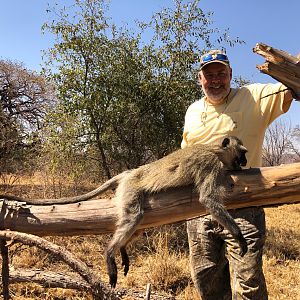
{"points": [[218, 271]]}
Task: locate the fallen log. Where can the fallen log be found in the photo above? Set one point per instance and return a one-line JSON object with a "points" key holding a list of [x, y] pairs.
{"points": [[48, 279], [253, 187], [280, 65]]}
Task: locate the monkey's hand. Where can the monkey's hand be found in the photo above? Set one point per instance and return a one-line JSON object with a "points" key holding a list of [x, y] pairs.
{"points": [[243, 245]]}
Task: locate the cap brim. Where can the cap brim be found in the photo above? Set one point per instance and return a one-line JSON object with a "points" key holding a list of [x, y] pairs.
{"points": [[226, 63]]}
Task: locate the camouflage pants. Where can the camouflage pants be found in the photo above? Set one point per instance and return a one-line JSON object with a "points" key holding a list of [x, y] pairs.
{"points": [[218, 271]]}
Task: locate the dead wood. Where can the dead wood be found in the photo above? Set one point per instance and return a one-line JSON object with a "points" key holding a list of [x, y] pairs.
{"points": [[253, 187], [49, 279], [280, 65], [99, 290], [5, 269]]}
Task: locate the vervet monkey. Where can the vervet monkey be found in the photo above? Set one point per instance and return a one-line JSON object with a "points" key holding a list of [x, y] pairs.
{"points": [[203, 166]]}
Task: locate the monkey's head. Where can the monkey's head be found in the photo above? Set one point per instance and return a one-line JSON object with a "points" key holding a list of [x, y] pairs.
{"points": [[233, 153]]}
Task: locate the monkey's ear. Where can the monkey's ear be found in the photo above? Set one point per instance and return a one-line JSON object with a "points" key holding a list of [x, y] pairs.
{"points": [[225, 142]]}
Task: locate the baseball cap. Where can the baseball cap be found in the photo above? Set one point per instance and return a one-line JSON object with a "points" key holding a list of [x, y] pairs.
{"points": [[214, 56]]}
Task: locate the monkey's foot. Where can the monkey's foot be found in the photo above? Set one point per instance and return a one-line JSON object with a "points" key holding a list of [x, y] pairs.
{"points": [[113, 280], [125, 260], [112, 270]]}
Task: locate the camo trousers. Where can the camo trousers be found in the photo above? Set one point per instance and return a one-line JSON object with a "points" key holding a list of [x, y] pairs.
{"points": [[218, 271]]}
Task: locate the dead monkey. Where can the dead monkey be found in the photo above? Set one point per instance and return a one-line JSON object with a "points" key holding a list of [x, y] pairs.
{"points": [[203, 166]]}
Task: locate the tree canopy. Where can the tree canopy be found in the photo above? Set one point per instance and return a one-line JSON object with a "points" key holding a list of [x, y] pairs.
{"points": [[128, 96], [24, 99]]}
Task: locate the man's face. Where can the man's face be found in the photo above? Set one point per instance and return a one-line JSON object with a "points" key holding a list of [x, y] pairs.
{"points": [[215, 81]]}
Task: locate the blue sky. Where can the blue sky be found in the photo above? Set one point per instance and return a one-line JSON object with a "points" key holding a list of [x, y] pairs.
{"points": [[275, 23]]}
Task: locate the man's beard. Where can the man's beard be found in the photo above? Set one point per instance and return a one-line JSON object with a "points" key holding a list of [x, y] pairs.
{"points": [[215, 95]]}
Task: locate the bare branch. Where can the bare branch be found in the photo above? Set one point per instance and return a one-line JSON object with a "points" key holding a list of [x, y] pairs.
{"points": [[78, 266], [49, 279]]}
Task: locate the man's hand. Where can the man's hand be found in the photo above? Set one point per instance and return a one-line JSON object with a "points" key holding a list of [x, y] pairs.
{"points": [[295, 95]]}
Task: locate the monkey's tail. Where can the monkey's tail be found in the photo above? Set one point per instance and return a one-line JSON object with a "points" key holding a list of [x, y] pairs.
{"points": [[110, 184]]}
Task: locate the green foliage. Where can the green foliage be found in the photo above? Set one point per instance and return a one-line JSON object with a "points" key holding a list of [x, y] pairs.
{"points": [[129, 97], [62, 159]]}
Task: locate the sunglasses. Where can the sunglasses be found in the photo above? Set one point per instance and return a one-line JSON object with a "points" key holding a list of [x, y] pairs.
{"points": [[210, 57]]}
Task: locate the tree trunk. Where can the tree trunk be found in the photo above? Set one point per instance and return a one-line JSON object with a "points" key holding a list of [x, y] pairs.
{"points": [[253, 187]]}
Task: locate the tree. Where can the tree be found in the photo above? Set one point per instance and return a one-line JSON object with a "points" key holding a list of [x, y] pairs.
{"points": [[278, 144], [129, 96], [24, 97], [295, 145]]}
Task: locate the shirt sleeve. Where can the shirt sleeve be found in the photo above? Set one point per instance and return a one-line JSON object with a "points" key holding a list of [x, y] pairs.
{"points": [[270, 98]]}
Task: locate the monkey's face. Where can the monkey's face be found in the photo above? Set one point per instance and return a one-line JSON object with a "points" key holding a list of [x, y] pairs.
{"points": [[235, 153], [241, 159]]}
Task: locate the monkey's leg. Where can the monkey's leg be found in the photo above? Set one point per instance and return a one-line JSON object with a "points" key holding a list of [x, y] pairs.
{"points": [[131, 215], [219, 213]]}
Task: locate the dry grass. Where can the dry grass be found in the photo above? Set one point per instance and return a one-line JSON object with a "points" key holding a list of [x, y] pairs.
{"points": [[161, 258], [282, 252]]}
